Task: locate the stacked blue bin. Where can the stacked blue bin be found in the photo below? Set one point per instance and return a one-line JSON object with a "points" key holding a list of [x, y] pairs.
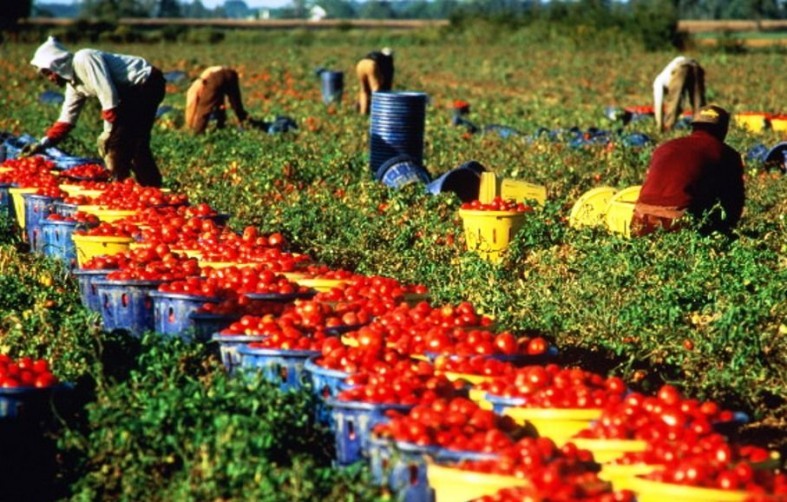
{"points": [[332, 86], [396, 127]]}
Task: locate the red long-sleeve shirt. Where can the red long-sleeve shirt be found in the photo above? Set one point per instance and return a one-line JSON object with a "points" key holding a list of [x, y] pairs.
{"points": [[694, 173]]}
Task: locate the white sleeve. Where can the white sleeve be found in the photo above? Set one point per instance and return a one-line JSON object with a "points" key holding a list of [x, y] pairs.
{"points": [[93, 71], [658, 99], [72, 106]]}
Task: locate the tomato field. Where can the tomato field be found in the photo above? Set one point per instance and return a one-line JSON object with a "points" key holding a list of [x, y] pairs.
{"points": [[158, 418]]}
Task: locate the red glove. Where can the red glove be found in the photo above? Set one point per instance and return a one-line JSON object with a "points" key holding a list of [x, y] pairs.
{"points": [[109, 115], [58, 131]]}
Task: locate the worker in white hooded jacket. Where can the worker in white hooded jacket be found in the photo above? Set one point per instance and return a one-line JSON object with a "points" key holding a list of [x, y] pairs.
{"points": [[682, 77], [129, 89]]}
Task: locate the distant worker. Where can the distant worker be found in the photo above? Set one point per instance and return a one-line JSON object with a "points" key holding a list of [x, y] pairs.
{"points": [[129, 90], [682, 78], [205, 99], [697, 175], [375, 73]]}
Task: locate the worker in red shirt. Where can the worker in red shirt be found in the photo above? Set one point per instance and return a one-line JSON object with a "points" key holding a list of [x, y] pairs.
{"points": [[697, 175], [206, 97], [129, 90], [375, 73]]}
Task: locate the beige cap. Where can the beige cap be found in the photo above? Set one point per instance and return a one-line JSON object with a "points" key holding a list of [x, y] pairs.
{"points": [[713, 115]]}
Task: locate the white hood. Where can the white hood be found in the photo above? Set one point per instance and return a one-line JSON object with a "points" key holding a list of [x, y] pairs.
{"points": [[53, 56]]}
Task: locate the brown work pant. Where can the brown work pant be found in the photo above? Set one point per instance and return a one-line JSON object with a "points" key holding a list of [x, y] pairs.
{"points": [[687, 81], [371, 79], [128, 145], [210, 100]]}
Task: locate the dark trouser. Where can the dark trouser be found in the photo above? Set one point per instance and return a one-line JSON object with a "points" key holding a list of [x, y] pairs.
{"points": [[128, 145]]}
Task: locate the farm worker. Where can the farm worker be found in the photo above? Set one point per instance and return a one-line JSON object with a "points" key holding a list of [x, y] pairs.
{"points": [[129, 90], [697, 175], [375, 73], [205, 98], [682, 77]]}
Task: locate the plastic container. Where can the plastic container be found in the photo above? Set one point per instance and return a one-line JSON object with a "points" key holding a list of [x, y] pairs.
{"points": [[751, 121], [488, 233], [6, 204], [620, 210], [228, 348], [590, 210], [63, 209], [281, 367], [18, 200], [559, 424], [172, 312], [396, 127], [57, 242], [207, 324], [325, 384], [464, 181], [332, 86], [778, 123], [401, 171], [37, 208], [655, 491], [127, 305], [607, 450], [88, 292], [777, 157], [451, 484], [319, 284], [88, 246], [353, 422], [107, 214], [622, 476], [23, 403]]}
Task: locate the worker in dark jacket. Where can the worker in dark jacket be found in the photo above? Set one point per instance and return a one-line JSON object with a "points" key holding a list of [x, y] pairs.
{"points": [[697, 175], [206, 96], [129, 90], [375, 73]]}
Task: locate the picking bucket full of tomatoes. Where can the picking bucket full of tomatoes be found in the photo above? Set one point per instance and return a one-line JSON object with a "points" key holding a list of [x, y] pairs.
{"points": [[26, 385], [490, 228]]}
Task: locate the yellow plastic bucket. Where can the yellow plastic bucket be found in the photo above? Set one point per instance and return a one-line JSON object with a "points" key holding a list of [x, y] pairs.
{"points": [[225, 264], [488, 233], [89, 246], [622, 476], [17, 196], [779, 123], [558, 424], [607, 450], [106, 214], [620, 210], [321, 284], [655, 491], [591, 208], [751, 121], [451, 484]]}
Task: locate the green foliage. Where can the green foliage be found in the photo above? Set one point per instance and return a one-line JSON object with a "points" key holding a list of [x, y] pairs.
{"points": [[178, 428]]}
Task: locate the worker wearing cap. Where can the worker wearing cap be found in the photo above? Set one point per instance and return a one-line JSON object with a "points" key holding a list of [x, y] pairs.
{"points": [[682, 78], [206, 97], [129, 90], [375, 73], [697, 175]]}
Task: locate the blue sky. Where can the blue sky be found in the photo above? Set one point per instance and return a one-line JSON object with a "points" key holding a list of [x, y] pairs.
{"points": [[207, 3]]}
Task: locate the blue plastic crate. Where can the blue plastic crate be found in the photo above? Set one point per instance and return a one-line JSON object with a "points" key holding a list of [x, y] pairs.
{"points": [[63, 209], [127, 305], [171, 312], [281, 367], [21, 403], [228, 348], [6, 205], [325, 384], [353, 422], [207, 324], [37, 208], [87, 288], [57, 241]]}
